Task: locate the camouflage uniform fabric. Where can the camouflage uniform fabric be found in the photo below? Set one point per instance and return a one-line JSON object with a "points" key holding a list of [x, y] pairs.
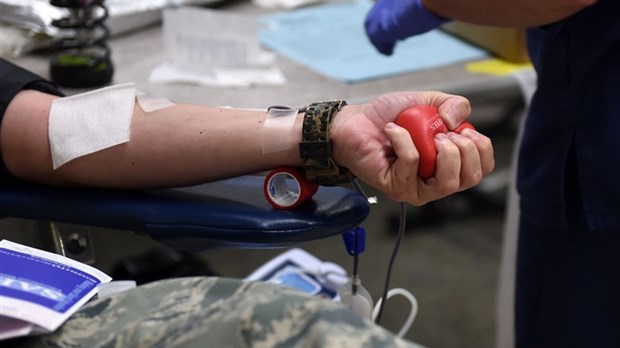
{"points": [[215, 312]]}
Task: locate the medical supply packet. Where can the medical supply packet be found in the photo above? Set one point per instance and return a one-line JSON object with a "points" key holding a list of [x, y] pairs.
{"points": [[298, 269], [40, 290]]}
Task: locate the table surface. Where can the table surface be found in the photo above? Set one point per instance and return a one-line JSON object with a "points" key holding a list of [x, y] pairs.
{"points": [[137, 53]]}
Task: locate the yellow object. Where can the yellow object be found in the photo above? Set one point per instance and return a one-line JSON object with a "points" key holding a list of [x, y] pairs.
{"points": [[505, 43], [495, 66]]}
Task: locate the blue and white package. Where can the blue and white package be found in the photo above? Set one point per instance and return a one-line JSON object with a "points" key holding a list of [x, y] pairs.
{"points": [[39, 290]]}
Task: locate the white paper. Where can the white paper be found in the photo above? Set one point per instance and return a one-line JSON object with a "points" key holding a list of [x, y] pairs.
{"points": [[284, 4], [214, 48], [218, 77]]}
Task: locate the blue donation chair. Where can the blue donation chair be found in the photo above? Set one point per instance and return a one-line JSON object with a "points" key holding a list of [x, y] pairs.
{"points": [[231, 213]]}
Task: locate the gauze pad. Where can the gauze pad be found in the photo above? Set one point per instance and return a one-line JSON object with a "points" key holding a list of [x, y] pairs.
{"points": [[88, 122]]}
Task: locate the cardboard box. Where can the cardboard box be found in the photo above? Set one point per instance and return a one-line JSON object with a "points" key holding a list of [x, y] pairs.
{"points": [[508, 44]]}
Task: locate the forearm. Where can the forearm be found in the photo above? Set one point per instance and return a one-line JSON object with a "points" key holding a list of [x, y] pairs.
{"points": [[507, 13], [189, 144], [178, 145]]}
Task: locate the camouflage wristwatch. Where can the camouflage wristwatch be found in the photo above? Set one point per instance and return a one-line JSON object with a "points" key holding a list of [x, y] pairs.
{"points": [[316, 148]]}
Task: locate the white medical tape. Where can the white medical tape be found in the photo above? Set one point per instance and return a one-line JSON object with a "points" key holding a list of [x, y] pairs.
{"points": [[287, 187], [276, 133], [88, 122], [150, 103]]}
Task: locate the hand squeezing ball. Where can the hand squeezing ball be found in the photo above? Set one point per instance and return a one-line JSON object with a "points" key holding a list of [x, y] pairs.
{"points": [[423, 123]]}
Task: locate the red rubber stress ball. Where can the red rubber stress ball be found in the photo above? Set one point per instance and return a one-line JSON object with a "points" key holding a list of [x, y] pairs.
{"points": [[423, 123]]}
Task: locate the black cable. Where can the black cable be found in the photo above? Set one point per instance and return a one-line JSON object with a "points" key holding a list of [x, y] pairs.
{"points": [[356, 261], [356, 258], [399, 238], [359, 188]]}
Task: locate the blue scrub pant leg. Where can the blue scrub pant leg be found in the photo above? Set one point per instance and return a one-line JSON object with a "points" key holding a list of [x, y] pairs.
{"points": [[568, 283]]}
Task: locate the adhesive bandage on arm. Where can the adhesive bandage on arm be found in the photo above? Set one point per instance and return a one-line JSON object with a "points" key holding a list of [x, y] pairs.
{"points": [[89, 122], [277, 130], [150, 103]]}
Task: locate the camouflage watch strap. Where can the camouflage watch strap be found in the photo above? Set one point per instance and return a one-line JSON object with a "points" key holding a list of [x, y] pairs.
{"points": [[316, 148]]}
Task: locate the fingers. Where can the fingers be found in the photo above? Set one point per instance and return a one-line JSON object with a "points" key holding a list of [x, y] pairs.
{"points": [[448, 170], [462, 161], [403, 175], [454, 110], [485, 149], [471, 169]]}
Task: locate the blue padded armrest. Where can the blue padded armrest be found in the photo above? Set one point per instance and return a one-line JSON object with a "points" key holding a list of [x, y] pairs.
{"points": [[228, 213]]}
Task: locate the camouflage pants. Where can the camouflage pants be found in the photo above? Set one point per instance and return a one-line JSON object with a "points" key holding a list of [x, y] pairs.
{"points": [[215, 312]]}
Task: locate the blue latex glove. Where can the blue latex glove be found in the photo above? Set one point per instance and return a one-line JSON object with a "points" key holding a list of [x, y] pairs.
{"points": [[391, 20]]}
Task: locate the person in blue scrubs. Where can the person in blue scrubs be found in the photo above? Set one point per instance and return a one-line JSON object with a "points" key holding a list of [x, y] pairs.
{"points": [[568, 264]]}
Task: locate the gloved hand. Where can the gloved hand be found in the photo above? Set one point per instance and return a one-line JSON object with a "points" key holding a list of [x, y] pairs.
{"points": [[391, 20]]}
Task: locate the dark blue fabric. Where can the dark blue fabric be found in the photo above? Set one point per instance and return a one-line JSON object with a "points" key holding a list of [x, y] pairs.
{"points": [[568, 261], [14, 79], [577, 100], [568, 280]]}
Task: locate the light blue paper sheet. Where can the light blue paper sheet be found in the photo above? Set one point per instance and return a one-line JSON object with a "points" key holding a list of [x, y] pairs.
{"points": [[331, 40]]}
